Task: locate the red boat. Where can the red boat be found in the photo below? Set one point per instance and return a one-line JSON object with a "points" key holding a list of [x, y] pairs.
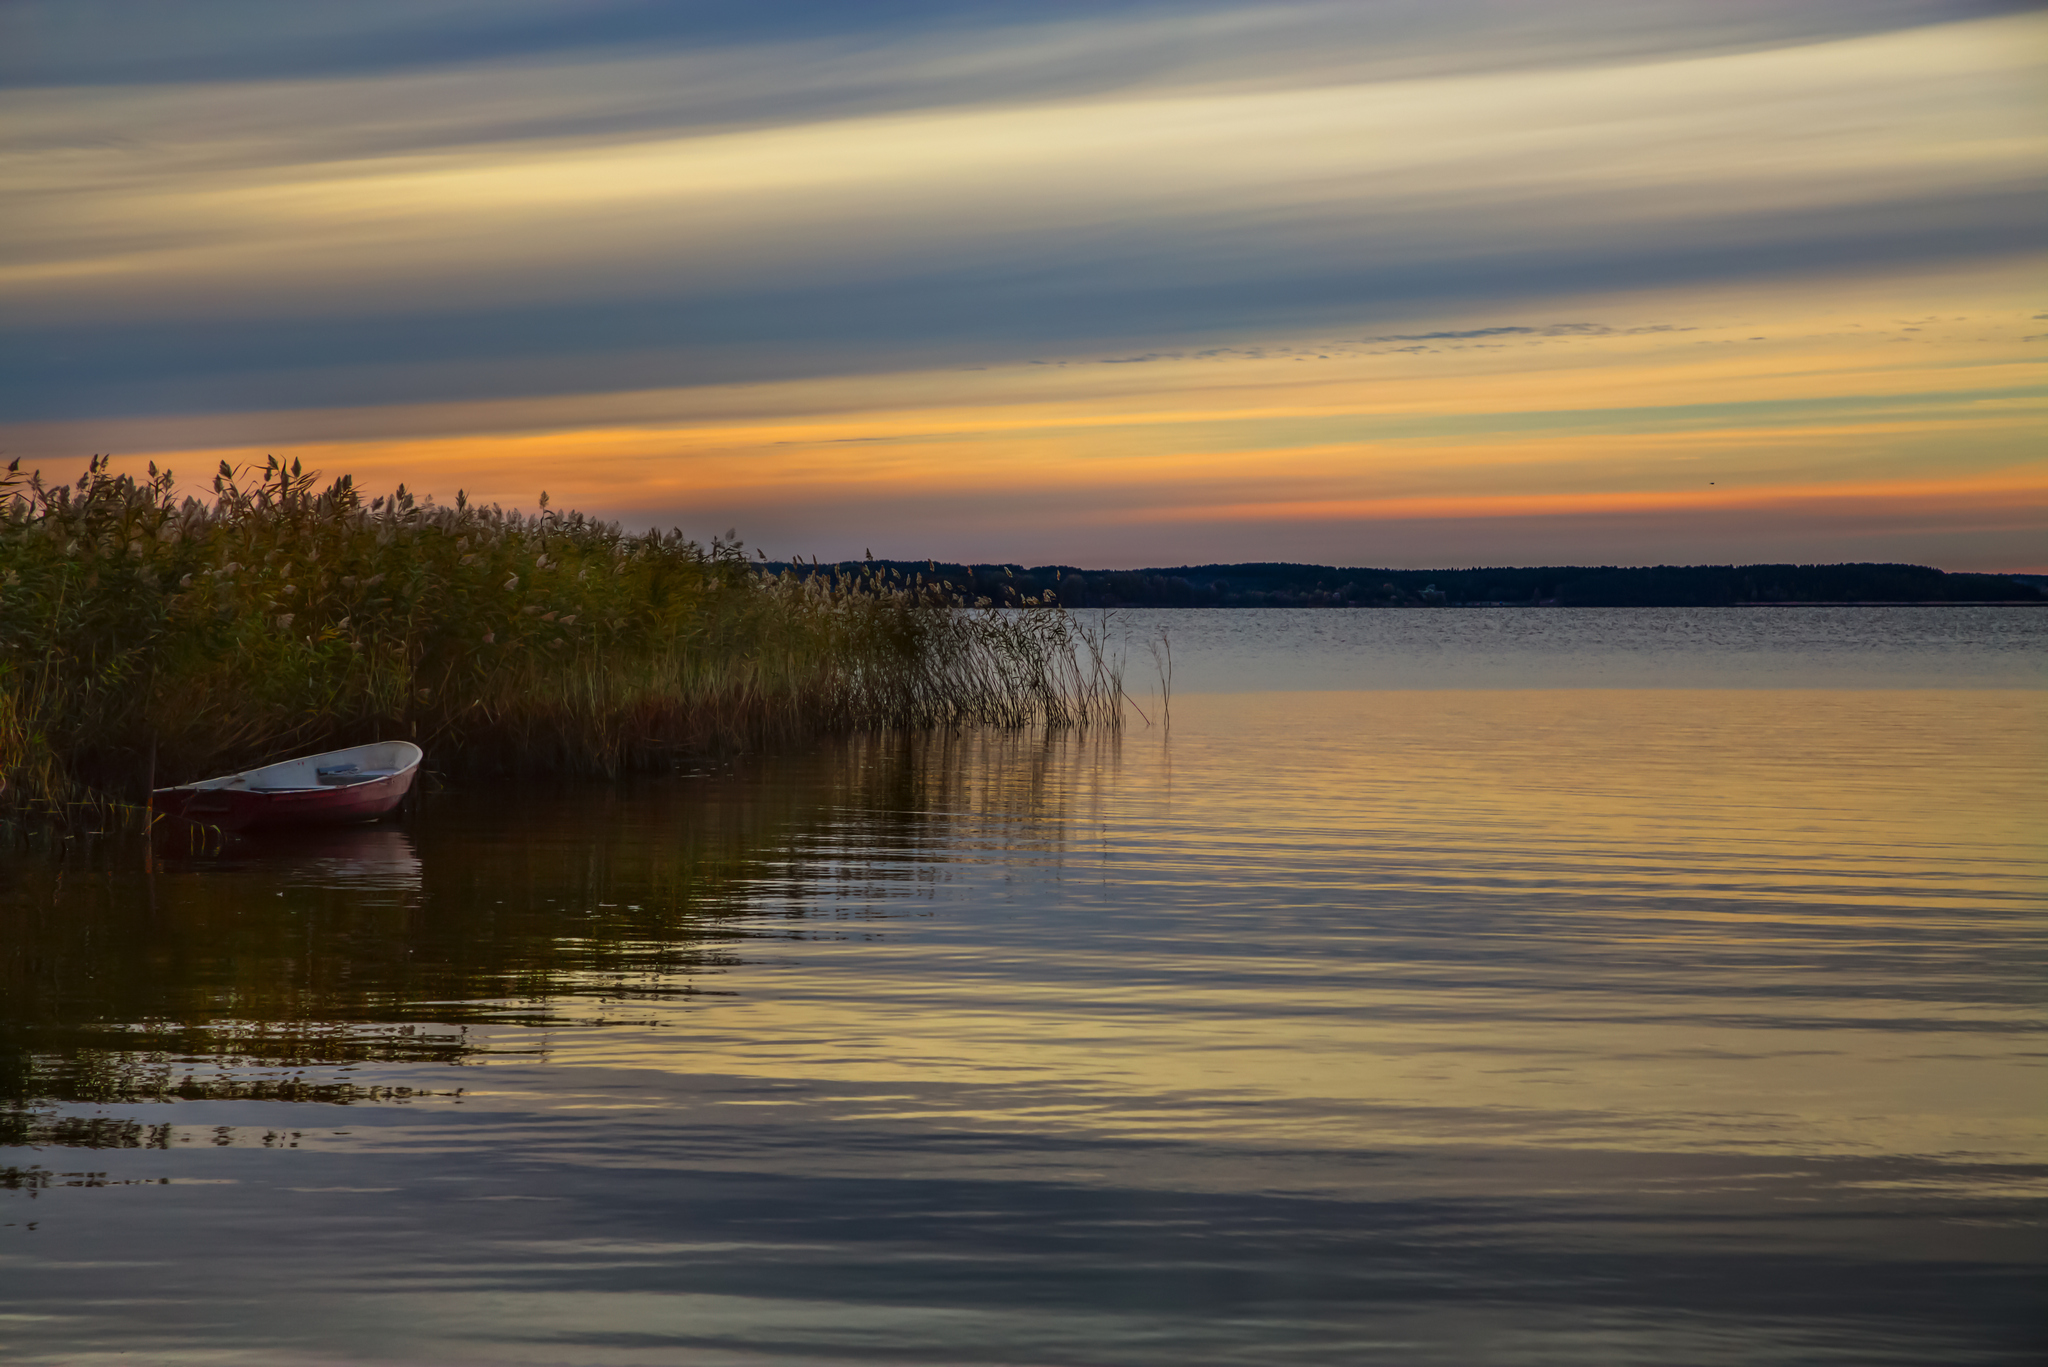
{"points": [[335, 789]]}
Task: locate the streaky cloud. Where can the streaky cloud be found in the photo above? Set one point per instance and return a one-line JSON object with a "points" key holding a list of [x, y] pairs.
{"points": [[1279, 268], [128, 42]]}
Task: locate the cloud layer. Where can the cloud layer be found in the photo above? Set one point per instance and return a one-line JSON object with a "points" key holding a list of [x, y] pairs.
{"points": [[397, 209]]}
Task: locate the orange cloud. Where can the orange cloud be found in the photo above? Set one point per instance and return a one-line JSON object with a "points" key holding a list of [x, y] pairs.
{"points": [[2024, 497], [1783, 411]]}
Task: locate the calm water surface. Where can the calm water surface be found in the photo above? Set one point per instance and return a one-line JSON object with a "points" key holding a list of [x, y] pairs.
{"points": [[1374, 1011]]}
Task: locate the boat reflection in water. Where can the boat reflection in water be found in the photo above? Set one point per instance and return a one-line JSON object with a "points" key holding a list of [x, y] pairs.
{"points": [[361, 856]]}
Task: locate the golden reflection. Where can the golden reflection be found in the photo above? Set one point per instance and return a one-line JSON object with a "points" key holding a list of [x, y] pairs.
{"points": [[1756, 921], [1653, 919]]}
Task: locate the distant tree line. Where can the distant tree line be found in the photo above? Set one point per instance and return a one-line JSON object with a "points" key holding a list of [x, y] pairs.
{"points": [[1313, 586]]}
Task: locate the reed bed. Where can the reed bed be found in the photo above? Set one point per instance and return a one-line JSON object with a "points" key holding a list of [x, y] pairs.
{"points": [[142, 634]]}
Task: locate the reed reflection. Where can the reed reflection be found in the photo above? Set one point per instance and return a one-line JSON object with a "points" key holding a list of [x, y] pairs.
{"points": [[277, 968]]}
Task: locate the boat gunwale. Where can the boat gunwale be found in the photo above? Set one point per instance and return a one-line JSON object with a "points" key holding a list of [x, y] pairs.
{"points": [[238, 781]]}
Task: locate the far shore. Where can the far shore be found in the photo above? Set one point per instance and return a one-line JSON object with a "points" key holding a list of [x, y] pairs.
{"points": [[1274, 585]]}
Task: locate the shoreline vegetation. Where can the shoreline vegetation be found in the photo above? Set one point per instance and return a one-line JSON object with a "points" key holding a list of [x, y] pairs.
{"points": [[147, 639], [143, 635], [1607, 586]]}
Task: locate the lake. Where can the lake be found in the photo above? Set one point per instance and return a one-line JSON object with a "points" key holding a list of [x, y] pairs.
{"points": [[1468, 986]]}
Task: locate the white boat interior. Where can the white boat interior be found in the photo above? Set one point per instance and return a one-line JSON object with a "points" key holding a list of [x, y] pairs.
{"points": [[334, 769]]}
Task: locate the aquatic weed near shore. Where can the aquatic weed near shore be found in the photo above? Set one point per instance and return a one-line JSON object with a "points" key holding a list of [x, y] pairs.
{"points": [[140, 632]]}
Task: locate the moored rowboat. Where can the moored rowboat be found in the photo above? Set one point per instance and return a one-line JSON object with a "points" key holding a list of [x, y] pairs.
{"points": [[337, 788]]}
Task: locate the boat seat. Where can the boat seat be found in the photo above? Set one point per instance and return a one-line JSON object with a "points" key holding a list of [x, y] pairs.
{"points": [[354, 776]]}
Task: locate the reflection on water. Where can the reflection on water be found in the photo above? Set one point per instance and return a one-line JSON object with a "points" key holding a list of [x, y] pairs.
{"points": [[1223, 650], [1501, 1026]]}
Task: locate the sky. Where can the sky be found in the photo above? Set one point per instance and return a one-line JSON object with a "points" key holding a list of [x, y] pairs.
{"points": [[1405, 283]]}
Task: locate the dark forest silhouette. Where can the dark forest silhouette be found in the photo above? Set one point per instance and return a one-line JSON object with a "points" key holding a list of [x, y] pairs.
{"points": [[1287, 585]]}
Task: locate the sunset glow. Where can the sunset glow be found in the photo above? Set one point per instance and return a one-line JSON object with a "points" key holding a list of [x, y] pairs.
{"points": [[1116, 288]]}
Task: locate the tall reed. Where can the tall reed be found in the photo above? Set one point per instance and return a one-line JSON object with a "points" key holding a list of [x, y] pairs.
{"points": [[142, 631]]}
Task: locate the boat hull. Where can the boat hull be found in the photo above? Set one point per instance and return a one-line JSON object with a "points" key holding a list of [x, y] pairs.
{"points": [[290, 795]]}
